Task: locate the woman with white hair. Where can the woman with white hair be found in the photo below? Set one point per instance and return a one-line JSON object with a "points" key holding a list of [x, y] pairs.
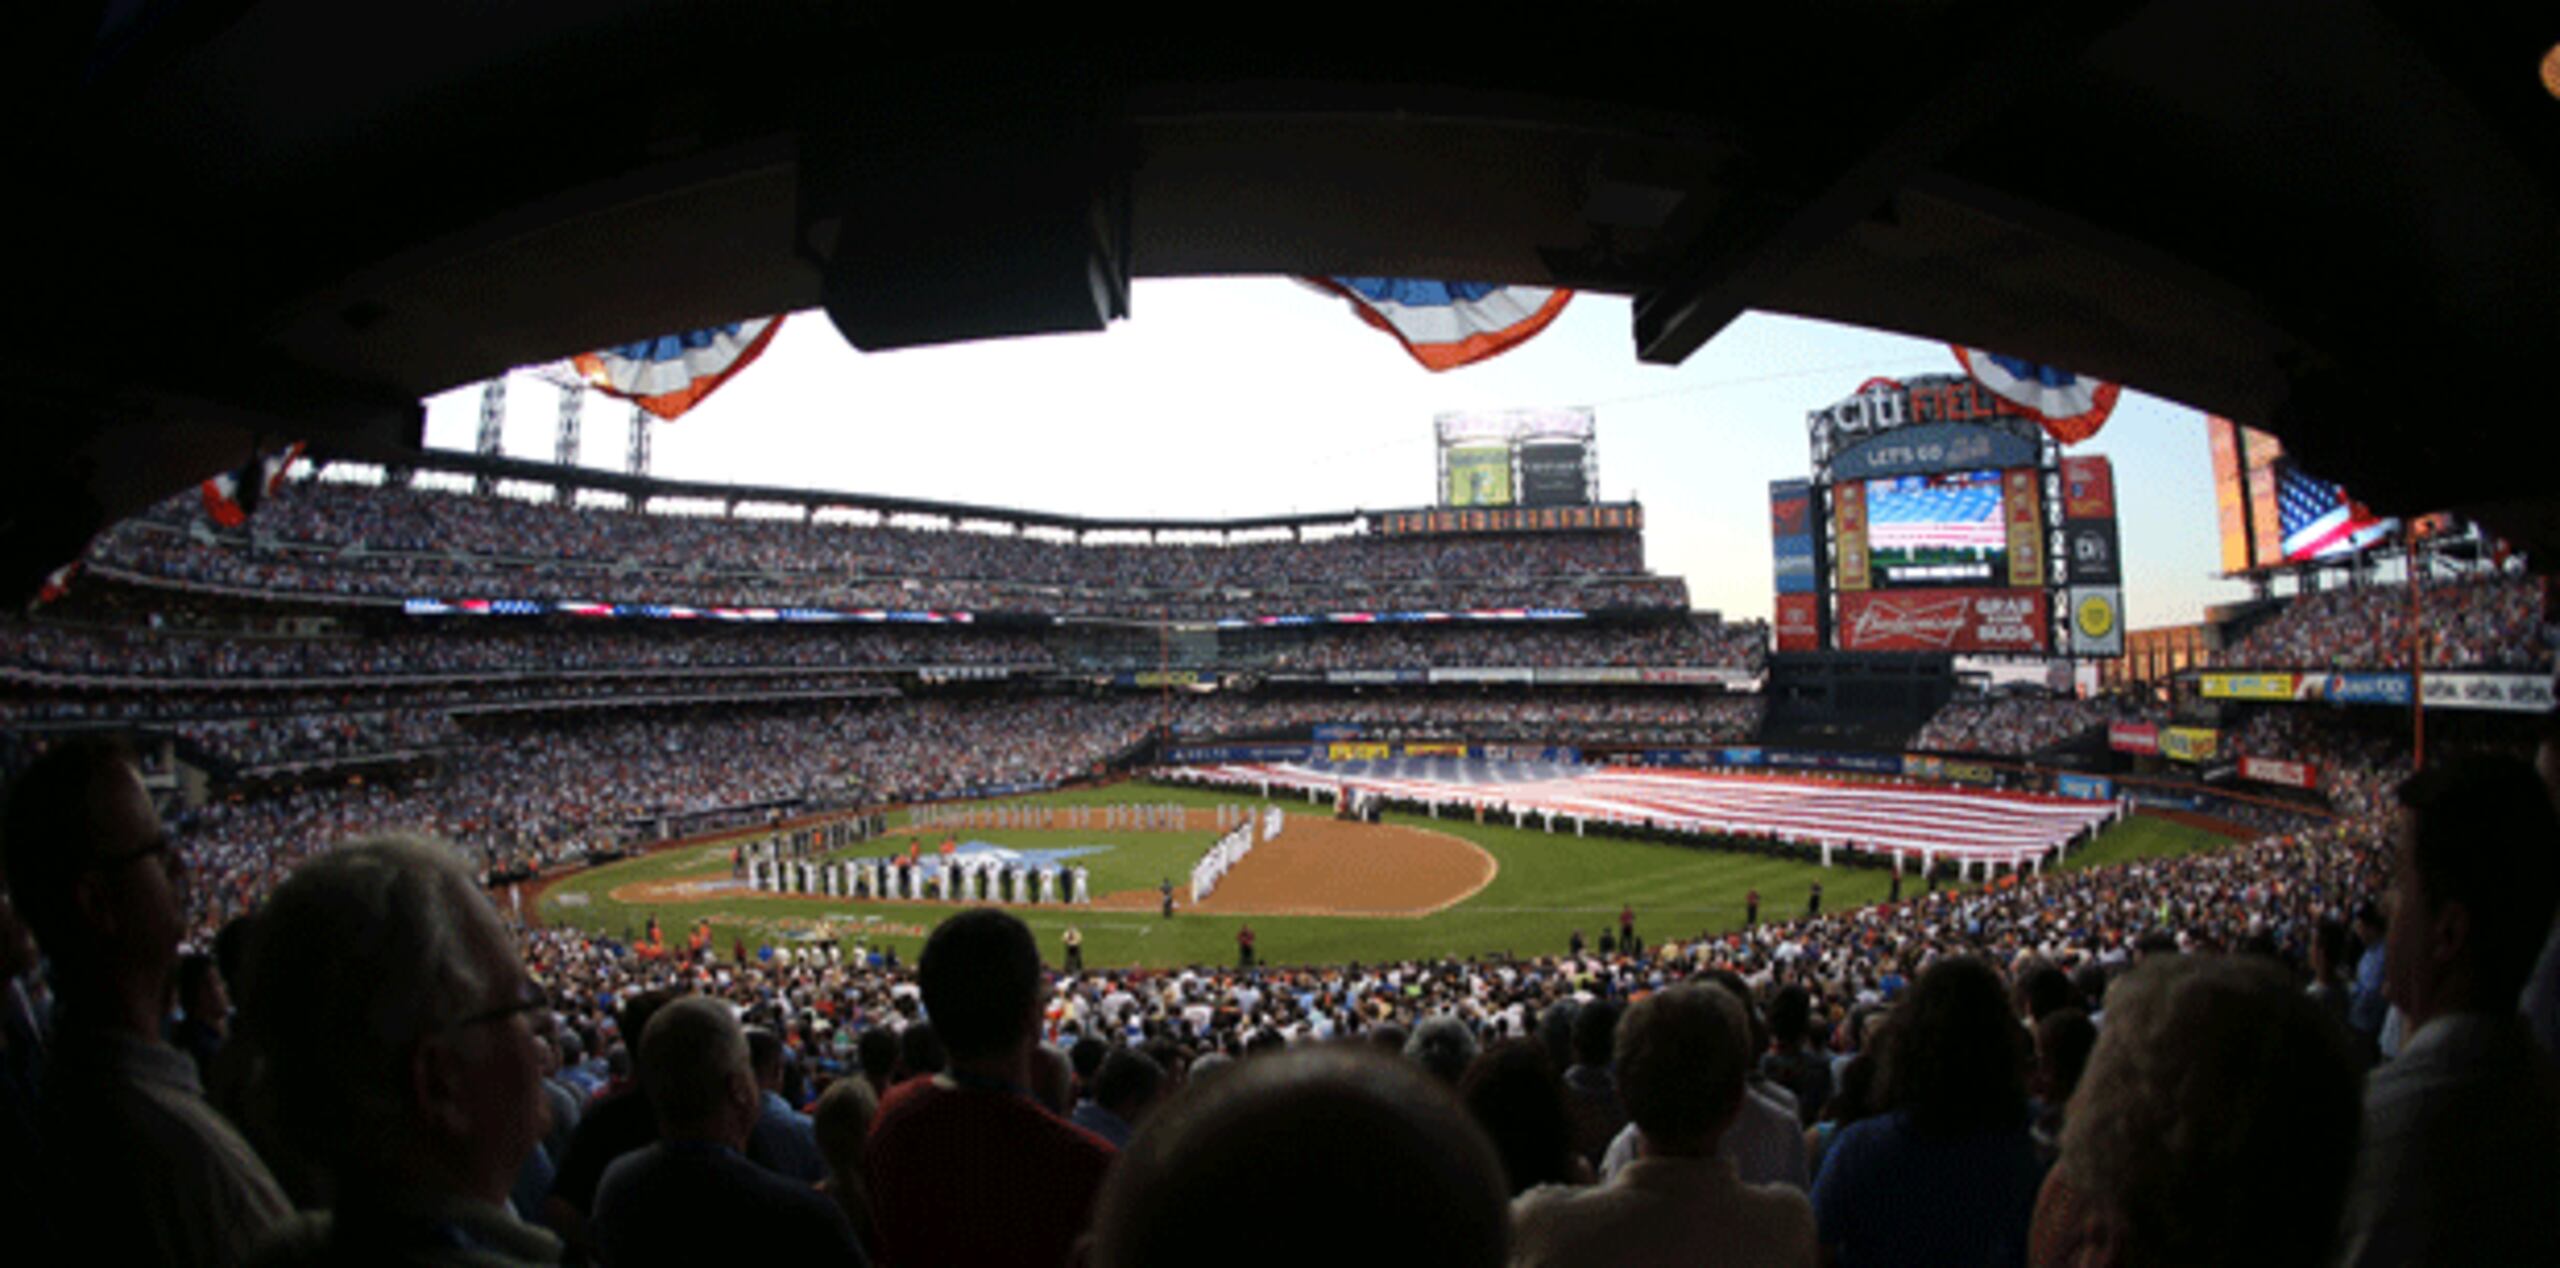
{"points": [[2216, 1124]]}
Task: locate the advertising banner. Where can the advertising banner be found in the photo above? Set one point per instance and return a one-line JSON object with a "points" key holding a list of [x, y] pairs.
{"points": [[1205, 755], [1969, 773], [1849, 518], [2360, 688], [2084, 787], [1374, 677], [2089, 552], [1943, 621], [2088, 488], [1742, 757], [2259, 452], [1553, 473], [2189, 743], [2271, 771], [2230, 496], [2501, 693], [2217, 686], [2022, 507], [1799, 623], [1337, 731], [1790, 509], [1927, 447], [1357, 751], [2133, 737], [1435, 749], [1923, 766], [1598, 674], [1482, 675], [1793, 565], [2097, 621], [1478, 476], [1869, 763]]}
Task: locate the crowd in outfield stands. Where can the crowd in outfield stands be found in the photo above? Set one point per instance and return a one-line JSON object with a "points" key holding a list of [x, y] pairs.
{"points": [[2016, 727], [2487, 624], [356, 541], [2154, 1062]]}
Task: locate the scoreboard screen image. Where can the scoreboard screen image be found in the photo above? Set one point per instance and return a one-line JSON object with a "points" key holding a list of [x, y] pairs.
{"points": [[1937, 530]]}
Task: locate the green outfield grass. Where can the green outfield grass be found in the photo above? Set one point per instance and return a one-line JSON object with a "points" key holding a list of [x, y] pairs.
{"points": [[1548, 886]]}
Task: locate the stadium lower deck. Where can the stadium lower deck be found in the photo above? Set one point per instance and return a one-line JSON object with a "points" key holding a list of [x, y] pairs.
{"points": [[1921, 824]]}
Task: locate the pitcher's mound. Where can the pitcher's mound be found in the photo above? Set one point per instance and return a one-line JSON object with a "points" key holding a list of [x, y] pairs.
{"points": [[1323, 867]]}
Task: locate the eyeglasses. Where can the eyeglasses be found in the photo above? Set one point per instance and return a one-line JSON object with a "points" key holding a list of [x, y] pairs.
{"points": [[532, 999]]}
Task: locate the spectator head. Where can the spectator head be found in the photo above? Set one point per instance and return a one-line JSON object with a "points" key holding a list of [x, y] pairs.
{"points": [[1369, 1141], [1053, 1079], [980, 975], [842, 1120], [94, 875], [1088, 1054], [1128, 1084], [201, 992], [1957, 1059], [2042, 989], [1790, 1016], [1682, 1057], [764, 1056], [1442, 1045], [1555, 1031], [920, 1050], [1513, 1093], [394, 1017], [2063, 1040], [877, 1050], [699, 1078], [632, 1021], [2476, 875], [1595, 1034], [2218, 1121]]}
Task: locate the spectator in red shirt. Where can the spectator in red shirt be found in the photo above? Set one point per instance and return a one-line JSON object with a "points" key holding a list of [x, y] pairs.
{"points": [[965, 1167]]}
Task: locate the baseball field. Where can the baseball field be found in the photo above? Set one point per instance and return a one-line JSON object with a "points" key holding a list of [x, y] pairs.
{"points": [[1322, 892]]}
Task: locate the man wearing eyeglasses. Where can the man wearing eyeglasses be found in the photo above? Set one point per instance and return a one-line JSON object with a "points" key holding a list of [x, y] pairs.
{"points": [[398, 1027], [102, 885]]}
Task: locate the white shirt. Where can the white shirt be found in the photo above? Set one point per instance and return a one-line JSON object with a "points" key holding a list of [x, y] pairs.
{"points": [[1765, 1144]]}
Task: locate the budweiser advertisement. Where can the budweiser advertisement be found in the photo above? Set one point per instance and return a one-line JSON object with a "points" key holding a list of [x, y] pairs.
{"points": [[1943, 621], [1799, 625]]}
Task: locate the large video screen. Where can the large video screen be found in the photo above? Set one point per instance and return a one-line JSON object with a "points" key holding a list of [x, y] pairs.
{"points": [[1937, 530]]}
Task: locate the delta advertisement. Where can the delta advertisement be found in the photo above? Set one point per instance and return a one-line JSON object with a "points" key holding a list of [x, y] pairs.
{"points": [[2140, 738], [2271, 771], [1799, 623], [1943, 621]]}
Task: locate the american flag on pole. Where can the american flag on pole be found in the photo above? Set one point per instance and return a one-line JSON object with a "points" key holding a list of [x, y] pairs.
{"points": [[2320, 520], [1908, 514]]}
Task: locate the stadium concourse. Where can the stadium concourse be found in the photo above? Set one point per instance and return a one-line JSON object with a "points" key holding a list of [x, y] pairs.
{"points": [[1918, 826]]}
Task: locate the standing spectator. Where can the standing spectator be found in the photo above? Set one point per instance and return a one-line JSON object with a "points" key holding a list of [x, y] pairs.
{"points": [[395, 1020], [1590, 1084], [1244, 946], [693, 1198], [1125, 1089], [783, 1140], [2461, 1148], [1947, 1174], [101, 884], [1683, 1053], [967, 1168], [1376, 1161], [2216, 1125], [843, 1122], [1513, 1094]]}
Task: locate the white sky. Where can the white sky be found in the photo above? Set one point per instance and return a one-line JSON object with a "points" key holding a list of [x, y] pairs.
{"points": [[1237, 397]]}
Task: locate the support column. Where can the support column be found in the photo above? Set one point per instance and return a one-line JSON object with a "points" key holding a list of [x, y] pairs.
{"points": [[638, 461], [493, 423]]}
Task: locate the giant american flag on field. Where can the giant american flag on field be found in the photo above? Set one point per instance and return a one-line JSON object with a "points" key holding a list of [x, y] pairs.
{"points": [[1916, 511]]}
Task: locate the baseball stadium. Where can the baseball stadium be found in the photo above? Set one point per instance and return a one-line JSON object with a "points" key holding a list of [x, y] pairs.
{"points": [[1992, 812]]}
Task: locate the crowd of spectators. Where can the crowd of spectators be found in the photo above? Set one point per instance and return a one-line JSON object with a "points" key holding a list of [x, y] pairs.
{"points": [[2158, 1058], [2018, 726], [384, 543], [1694, 642], [136, 653], [2490, 623]]}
